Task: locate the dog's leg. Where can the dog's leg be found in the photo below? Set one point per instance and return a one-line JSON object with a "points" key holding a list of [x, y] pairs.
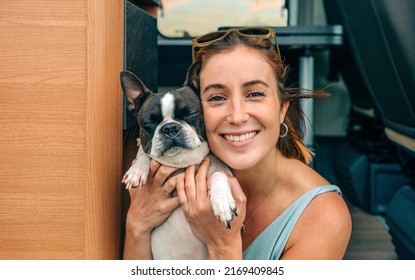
{"points": [[136, 176], [223, 204]]}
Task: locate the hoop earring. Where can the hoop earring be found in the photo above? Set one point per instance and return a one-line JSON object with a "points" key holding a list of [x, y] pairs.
{"points": [[286, 130]]}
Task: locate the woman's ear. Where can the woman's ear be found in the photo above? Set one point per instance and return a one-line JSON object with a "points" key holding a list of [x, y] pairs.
{"points": [[284, 109], [192, 76]]}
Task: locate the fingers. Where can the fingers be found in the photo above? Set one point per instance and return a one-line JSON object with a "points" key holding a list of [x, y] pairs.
{"points": [[182, 196], [201, 176], [161, 173], [171, 204], [185, 186], [236, 188], [195, 183], [170, 185], [154, 166], [238, 195], [189, 183], [193, 193]]}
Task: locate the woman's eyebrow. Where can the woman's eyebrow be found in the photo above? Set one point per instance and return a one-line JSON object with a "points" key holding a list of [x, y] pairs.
{"points": [[255, 82], [214, 86], [245, 85]]}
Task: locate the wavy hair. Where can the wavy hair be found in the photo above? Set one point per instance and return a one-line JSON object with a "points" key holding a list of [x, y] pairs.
{"points": [[292, 145]]}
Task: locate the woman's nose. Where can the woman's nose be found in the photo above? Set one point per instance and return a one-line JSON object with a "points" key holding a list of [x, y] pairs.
{"points": [[237, 113]]}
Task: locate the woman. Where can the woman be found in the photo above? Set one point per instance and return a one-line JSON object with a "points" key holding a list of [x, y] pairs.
{"points": [[286, 210]]}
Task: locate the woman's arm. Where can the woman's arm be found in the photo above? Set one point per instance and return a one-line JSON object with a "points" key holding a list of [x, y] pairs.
{"points": [[222, 243], [149, 207], [137, 244]]}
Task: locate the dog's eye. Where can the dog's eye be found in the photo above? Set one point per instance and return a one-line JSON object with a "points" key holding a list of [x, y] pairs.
{"points": [[192, 114], [150, 121], [147, 124], [189, 117]]}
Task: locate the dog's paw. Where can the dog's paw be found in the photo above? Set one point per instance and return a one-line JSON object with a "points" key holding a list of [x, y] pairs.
{"points": [[135, 177], [223, 203]]}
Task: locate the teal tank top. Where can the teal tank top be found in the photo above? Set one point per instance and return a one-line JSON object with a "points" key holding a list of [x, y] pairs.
{"points": [[271, 242]]}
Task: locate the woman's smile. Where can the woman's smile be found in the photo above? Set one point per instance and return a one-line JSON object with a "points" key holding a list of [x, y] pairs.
{"points": [[240, 137], [242, 110]]}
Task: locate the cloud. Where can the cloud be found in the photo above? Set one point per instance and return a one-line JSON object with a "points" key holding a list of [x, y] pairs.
{"points": [[265, 4], [171, 4]]}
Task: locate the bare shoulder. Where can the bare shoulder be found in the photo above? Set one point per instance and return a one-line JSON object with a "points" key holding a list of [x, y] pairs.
{"points": [[323, 230], [329, 209], [303, 177]]}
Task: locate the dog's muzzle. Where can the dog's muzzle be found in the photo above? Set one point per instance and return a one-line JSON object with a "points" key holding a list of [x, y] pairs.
{"points": [[171, 130]]}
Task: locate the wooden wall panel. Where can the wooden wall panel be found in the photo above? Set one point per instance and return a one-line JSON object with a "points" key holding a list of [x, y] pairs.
{"points": [[104, 128], [60, 129]]}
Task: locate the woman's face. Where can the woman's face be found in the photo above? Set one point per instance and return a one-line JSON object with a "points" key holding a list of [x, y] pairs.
{"points": [[241, 107]]}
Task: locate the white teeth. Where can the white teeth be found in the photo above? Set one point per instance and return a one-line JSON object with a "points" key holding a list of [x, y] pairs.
{"points": [[240, 138]]}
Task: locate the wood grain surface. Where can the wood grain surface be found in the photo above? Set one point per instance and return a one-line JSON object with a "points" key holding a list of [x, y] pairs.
{"points": [[60, 129]]}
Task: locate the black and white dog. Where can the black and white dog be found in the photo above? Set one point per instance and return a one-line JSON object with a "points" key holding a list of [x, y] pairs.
{"points": [[171, 131]]}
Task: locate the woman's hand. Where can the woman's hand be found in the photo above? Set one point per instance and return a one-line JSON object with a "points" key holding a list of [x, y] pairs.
{"points": [[150, 206], [222, 243]]}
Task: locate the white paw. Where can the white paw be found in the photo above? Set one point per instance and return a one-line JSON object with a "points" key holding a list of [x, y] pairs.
{"points": [[136, 176], [223, 204]]}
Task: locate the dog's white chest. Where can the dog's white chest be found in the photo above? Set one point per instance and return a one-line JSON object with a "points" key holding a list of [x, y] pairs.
{"points": [[174, 239]]}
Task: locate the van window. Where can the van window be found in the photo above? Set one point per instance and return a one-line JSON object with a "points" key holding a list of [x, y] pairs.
{"points": [[191, 18]]}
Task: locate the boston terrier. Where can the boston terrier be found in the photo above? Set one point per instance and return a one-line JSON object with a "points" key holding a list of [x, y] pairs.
{"points": [[171, 131]]}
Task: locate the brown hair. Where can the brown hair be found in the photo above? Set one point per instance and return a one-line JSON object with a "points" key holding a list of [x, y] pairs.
{"points": [[291, 145]]}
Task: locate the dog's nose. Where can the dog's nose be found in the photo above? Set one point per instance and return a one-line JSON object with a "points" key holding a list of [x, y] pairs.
{"points": [[171, 130]]}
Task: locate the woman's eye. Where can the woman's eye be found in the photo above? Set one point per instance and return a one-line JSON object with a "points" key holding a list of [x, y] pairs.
{"points": [[256, 94], [216, 98]]}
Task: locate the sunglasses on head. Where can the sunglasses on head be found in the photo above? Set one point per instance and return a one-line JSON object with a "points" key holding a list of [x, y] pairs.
{"points": [[207, 39]]}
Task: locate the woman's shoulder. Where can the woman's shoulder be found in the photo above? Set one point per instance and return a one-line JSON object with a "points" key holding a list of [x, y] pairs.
{"points": [[324, 228], [303, 177], [328, 206]]}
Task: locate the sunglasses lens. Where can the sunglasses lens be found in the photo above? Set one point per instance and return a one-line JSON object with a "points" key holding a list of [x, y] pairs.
{"points": [[255, 31], [209, 37]]}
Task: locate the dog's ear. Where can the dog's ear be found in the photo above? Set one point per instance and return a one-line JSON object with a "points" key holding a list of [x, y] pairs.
{"points": [[192, 77], [134, 89]]}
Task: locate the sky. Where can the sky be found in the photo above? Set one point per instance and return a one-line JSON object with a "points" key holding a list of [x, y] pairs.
{"points": [[196, 17]]}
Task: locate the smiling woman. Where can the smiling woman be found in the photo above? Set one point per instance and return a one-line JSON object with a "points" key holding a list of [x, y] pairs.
{"points": [[285, 209], [190, 18], [250, 118]]}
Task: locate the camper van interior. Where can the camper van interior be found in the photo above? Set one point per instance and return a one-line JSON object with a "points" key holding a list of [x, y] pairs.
{"points": [[360, 53], [67, 136]]}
